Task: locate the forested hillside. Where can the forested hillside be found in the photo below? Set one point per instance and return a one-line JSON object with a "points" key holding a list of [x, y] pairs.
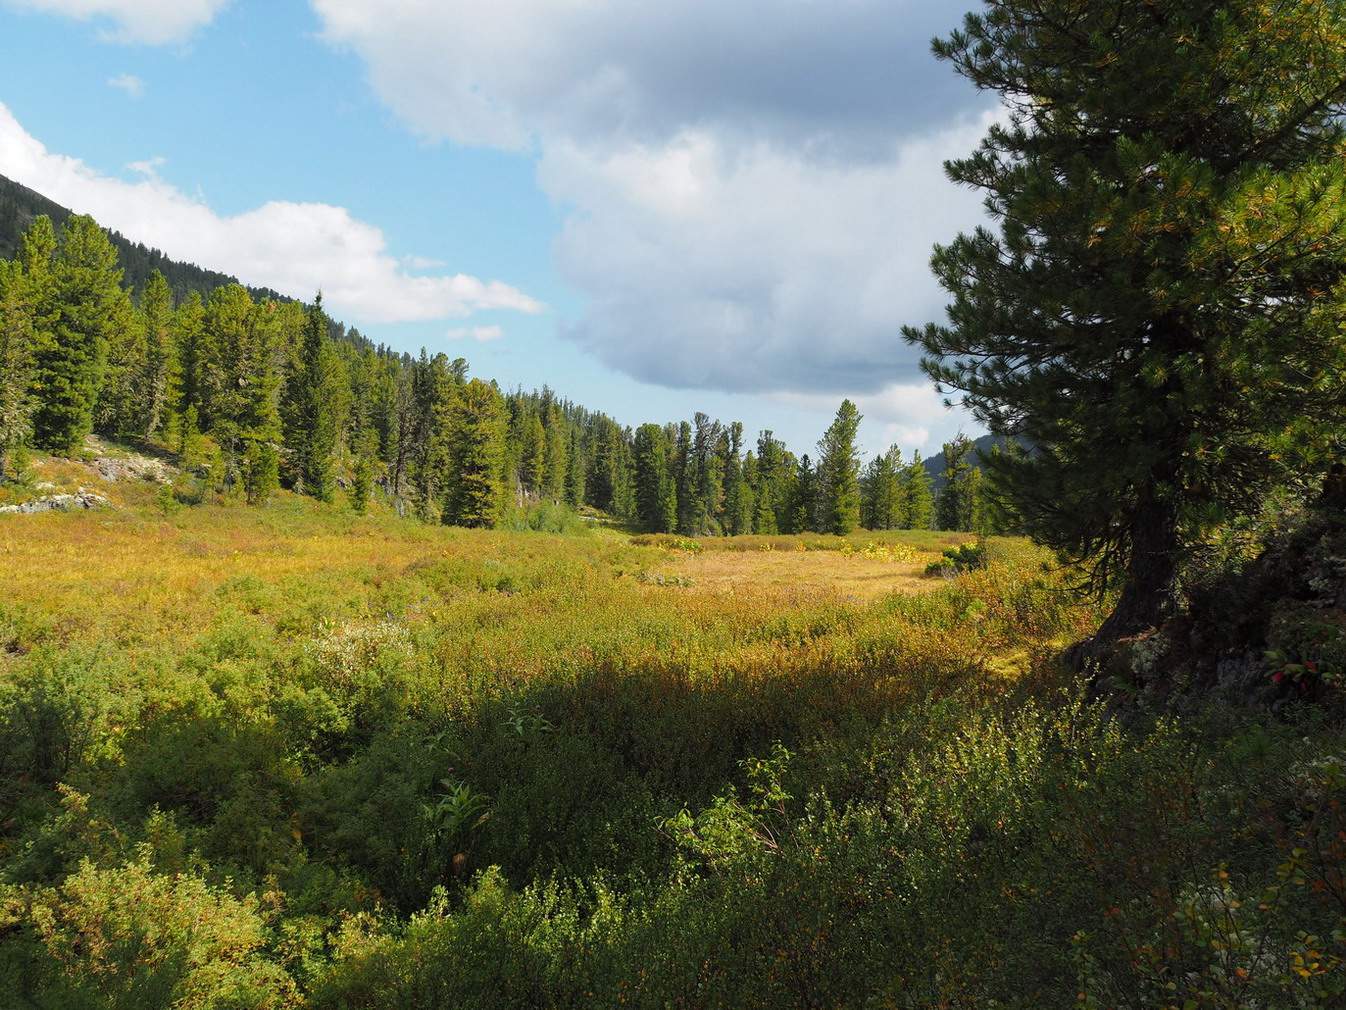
{"points": [[255, 392], [21, 206]]}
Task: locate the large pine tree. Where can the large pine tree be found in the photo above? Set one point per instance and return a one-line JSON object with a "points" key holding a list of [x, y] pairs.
{"points": [[1160, 312]]}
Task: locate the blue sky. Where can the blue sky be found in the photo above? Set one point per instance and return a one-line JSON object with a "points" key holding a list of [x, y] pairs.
{"points": [[653, 207]]}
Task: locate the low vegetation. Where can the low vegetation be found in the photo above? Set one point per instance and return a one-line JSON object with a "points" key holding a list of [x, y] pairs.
{"points": [[289, 756]]}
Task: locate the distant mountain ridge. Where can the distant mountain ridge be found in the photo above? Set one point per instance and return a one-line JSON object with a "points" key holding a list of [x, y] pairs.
{"points": [[936, 464], [20, 206]]}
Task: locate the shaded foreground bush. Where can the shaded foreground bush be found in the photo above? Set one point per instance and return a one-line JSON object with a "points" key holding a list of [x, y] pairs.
{"points": [[1048, 860]]}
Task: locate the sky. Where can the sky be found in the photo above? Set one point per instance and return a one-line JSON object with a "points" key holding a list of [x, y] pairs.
{"points": [[654, 207]]}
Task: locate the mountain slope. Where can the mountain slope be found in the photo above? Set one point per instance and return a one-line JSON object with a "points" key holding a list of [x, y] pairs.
{"points": [[19, 206]]}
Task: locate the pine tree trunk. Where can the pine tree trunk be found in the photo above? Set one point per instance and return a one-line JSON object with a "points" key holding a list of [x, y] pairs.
{"points": [[1333, 493], [1150, 574]]}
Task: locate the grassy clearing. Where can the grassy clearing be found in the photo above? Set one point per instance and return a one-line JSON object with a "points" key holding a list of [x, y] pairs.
{"points": [[862, 567], [802, 572]]}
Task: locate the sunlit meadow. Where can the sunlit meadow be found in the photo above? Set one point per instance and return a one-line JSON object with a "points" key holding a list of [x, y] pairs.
{"points": [[290, 756]]}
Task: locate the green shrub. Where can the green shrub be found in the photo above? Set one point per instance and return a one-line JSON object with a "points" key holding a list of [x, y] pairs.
{"points": [[548, 518], [564, 804], [128, 938], [966, 557]]}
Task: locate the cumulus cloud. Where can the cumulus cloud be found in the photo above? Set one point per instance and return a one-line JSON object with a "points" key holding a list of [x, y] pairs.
{"points": [[836, 77], [751, 269], [129, 83], [752, 189], [294, 248], [481, 334], [152, 22]]}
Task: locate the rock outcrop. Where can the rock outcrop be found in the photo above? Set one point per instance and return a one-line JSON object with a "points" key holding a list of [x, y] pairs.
{"points": [[59, 503]]}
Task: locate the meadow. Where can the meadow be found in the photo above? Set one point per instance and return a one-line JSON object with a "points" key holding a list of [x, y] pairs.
{"points": [[288, 756]]}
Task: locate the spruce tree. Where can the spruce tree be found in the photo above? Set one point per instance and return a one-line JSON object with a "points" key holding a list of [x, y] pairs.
{"points": [[738, 504], [533, 456], [1160, 311], [609, 485], [369, 396], [748, 509], [87, 307], [117, 411], [159, 365], [475, 494], [385, 373], [684, 475], [362, 484], [656, 491], [187, 335], [917, 495], [399, 440], [142, 360], [958, 505], [30, 309], [706, 479], [803, 498], [838, 501], [881, 487], [771, 486], [436, 387], [559, 438], [313, 396], [575, 491], [16, 358], [240, 355]]}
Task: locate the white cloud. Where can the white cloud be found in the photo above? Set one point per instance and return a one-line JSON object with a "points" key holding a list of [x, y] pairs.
{"points": [[906, 415], [756, 269], [421, 262], [481, 334], [149, 168], [129, 83], [295, 248], [836, 76], [751, 190], [152, 22]]}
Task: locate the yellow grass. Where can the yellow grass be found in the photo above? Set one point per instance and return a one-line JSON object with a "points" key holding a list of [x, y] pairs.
{"points": [[852, 575], [119, 575], [486, 611]]}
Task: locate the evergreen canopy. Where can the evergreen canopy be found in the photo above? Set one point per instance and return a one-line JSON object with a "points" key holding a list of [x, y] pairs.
{"points": [[1160, 313]]}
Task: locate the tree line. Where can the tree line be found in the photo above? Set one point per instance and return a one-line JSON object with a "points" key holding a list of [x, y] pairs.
{"points": [[255, 393]]}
